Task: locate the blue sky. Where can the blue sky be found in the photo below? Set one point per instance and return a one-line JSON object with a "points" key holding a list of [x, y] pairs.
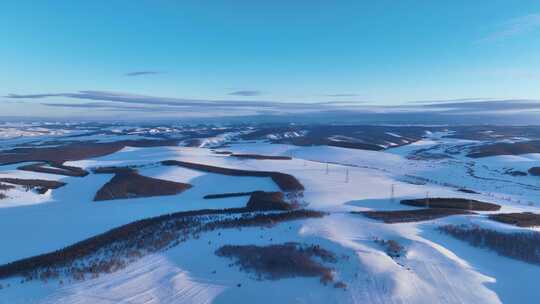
{"points": [[367, 52]]}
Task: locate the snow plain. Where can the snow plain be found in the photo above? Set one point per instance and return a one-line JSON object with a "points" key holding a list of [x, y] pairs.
{"points": [[436, 268]]}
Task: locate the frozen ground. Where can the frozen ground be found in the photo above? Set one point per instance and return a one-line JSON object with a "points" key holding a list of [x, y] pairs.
{"points": [[436, 268]]}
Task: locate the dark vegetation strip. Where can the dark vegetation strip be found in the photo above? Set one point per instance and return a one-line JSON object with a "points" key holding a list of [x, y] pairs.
{"points": [[523, 246], [513, 172], [55, 168], [392, 247], [535, 171], [274, 262], [285, 182], [225, 195], [261, 200], [75, 151], [452, 203], [127, 183], [41, 185], [114, 170], [516, 148], [525, 219], [258, 156], [491, 132], [469, 191], [4, 187], [319, 141], [355, 137], [115, 248], [405, 216], [223, 152]]}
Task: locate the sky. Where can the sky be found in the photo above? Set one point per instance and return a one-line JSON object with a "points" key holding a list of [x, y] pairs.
{"points": [[231, 58]]}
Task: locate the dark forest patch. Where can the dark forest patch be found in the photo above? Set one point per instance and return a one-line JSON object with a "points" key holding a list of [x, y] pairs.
{"points": [[281, 261], [469, 191], [534, 171], [40, 185], [513, 172], [363, 137], [494, 132], [192, 142], [55, 168], [222, 152], [451, 203], [516, 148], [405, 216], [524, 219], [261, 200], [226, 195], [75, 151], [4, 187], [285, 182], [128, 183], [392, 248], [114, 249], [523, 246], [258, 156], [114, 170]]}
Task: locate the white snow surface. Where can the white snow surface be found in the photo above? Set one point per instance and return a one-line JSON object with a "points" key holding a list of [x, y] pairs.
{"points": [[436, 268]]}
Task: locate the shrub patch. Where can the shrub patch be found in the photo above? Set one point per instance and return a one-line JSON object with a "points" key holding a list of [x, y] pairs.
{"points": [[287, 260], [451, 203], [405, 216]]}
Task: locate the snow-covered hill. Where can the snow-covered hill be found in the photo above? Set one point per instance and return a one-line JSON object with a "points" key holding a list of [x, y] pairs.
{"points": [[434, 268]]}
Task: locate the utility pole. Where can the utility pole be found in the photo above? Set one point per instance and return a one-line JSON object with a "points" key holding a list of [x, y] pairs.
{"points": [[392, 193], [427, 199], [326, 168], [346, 175]]}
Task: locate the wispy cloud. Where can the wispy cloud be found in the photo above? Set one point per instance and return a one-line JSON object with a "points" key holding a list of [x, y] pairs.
{"points": [[513, 27], [107, 106], [141, 73], [145, 99], [34, 96], [342, 95], [246, 93], [111, 101], [168, 101], [456, 100], [487, 107]]}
